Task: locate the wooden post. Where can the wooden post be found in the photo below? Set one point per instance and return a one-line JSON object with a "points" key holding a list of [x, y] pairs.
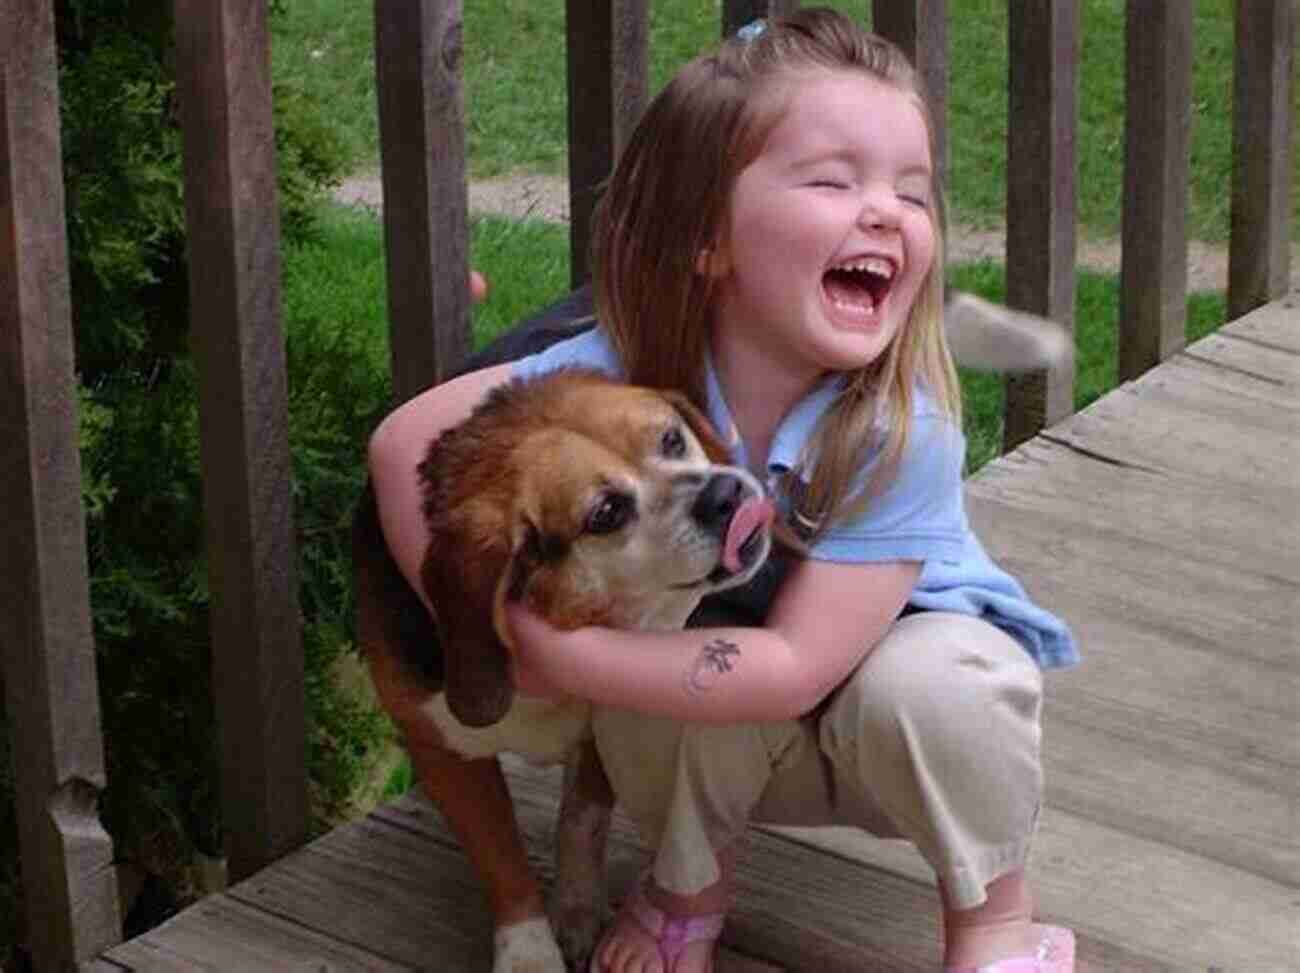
{"points": [[1263, 152], [608, 44], [52, 698], [737, 13], [1043, 61], [422, 147], [224, 85], [1157, 143], [920, 28]]}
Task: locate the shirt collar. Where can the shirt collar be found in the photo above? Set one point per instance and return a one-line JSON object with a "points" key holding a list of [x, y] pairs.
{"points": [[793, 431]]}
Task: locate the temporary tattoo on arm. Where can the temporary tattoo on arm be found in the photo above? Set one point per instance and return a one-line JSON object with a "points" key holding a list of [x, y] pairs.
{"points": [[715, 659]]}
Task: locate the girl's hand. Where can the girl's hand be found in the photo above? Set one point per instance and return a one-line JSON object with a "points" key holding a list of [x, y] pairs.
{"points": [[535, 643], [478, 287]]}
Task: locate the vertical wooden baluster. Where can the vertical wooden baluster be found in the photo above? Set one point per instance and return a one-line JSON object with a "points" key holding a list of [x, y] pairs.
{"points": [[1043, 60], [426, 223], [1263, 152], [1157, 142], [51, 693], [232, 214], [608, 44]]}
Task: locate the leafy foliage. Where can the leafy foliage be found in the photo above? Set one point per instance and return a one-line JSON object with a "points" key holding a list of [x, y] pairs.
{"points": [[139, 435]]}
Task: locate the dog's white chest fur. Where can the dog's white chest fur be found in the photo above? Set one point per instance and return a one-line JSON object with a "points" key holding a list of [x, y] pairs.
{"points": [[542, 731]]}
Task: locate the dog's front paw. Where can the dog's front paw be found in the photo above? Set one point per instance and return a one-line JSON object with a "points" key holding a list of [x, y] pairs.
{"points": [[527, 947]]}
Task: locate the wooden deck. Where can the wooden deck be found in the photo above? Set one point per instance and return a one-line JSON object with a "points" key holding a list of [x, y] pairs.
{"points": [[1164, 523]]}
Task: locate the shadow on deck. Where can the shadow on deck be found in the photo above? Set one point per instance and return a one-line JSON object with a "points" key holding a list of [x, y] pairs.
{"points": [[1163, 523]]}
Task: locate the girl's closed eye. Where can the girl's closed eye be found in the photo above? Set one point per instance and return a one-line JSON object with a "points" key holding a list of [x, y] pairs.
{"points": [[829, 183], [914, 191]]}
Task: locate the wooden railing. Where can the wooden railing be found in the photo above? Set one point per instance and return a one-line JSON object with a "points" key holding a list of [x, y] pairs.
{"points": [[222, 57]]}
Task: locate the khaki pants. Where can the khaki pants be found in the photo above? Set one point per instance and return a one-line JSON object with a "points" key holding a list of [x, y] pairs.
{"points": [[934, 738]]}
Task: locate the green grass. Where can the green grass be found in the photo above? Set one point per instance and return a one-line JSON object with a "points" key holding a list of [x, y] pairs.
{"points": [[515, 93], [340, 278]]}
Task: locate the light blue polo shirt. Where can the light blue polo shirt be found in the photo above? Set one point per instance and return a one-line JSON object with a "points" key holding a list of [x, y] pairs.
{"points": [[920, 517]]}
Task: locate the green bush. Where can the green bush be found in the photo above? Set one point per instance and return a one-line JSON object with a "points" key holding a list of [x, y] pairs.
{"points": [[139, 437], [122, 168]]}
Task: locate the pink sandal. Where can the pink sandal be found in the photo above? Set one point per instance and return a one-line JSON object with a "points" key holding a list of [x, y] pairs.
{"points": [[1055, 954], [671, 934]]}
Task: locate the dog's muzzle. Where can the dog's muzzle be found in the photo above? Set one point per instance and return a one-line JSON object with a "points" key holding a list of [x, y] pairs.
{"points": [[731, 508]]}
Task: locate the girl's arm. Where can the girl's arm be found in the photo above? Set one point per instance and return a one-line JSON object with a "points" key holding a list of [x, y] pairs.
{"points": [[823, 622], [399, 445]]}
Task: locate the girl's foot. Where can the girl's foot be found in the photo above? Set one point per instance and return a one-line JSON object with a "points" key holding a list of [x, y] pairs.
{"points": [[659, 932], [1053, 952], [999, 936], [975, 947]]}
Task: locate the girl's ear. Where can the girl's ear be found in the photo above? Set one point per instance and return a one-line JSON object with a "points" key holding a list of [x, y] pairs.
{"points": [[713, 262]]}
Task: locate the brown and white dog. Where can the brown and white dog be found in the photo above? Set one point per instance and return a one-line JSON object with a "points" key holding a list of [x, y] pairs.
{"points": [[593, 502]]}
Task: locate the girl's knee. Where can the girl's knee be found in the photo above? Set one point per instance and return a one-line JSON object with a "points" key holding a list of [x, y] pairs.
{"points": [[954, 681], [660, 767], [939, 728]]}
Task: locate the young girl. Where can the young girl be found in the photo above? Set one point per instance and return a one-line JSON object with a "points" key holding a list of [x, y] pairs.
{"points": [[771, 244]]}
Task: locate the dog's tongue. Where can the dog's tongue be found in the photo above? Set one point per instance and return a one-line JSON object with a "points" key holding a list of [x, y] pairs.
{"points": [[754, 513]]}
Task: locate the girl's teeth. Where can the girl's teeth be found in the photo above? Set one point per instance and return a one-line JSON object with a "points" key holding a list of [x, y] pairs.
{"points": [[865, 304], [870, 265]]}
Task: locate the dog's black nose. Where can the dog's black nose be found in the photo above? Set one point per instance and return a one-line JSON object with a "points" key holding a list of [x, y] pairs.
{"points": [[718, 501]]}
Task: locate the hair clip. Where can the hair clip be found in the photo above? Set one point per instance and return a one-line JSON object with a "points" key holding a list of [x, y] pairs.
{"points": [[751, 30]]}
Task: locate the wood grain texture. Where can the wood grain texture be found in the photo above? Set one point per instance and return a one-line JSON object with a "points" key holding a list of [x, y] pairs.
{"points": [[231, 207], [1157, 147], [1043, 59], [1263, 153], [222, 934], [607, 61], [47, 650], [418, 52]]}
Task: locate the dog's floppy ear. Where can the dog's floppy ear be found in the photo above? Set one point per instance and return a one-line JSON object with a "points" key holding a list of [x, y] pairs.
{"points": [[472, 566], [714, 447]]}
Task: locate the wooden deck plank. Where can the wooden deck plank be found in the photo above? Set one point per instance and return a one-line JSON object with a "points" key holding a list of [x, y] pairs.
{"points": [[810, 905], [1201, 387], [1165, 595], [792, 903], [791, 909], [1195, 518], [1159, 629], [372, 882], [1145, 897], [1273, 324], [1192, 428], [1123, 895], [221, 934], [1242, 351]]}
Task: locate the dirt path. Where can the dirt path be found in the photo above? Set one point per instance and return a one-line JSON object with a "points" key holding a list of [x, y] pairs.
{"points": [[547, 197]]}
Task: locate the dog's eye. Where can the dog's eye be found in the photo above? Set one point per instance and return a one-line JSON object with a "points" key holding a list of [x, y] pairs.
{"points": [[673, 444], [611, 512]]}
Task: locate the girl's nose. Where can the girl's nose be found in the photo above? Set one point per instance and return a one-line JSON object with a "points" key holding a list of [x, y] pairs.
{"points": [[880, 209]]}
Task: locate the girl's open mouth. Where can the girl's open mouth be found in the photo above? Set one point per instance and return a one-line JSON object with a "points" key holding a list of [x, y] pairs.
{"points": [[859, 286]]}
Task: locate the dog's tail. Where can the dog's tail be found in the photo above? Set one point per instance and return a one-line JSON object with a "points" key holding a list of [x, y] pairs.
{"points": [[991, 337]]}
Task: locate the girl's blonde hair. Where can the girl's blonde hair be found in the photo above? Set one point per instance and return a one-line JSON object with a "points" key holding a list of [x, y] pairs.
{"points": [[667, 201]]}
